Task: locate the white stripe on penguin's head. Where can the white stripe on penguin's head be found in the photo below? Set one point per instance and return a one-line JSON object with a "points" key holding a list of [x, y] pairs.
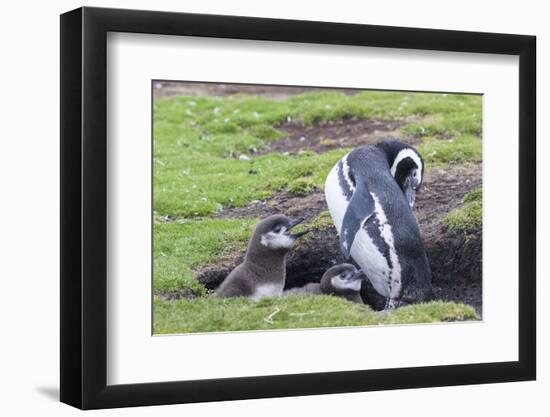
{"points": [[346, 168], [408, 153]]}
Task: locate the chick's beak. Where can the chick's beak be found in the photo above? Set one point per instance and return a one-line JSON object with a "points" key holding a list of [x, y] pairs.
{"points": [[295, 222]]}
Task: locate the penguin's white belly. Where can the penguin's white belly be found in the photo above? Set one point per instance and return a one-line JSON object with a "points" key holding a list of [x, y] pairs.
{"points": [[268, 290], [373, 263], [383, 271]]}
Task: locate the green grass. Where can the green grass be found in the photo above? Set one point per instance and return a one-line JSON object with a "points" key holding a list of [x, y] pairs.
{"points": [[449, 125], [302, 186], [462, 149], [180, 247], [474, 196], [211, 314], [173, 275], [209, 184], [469, 217], [204, 147], [199, 242]]}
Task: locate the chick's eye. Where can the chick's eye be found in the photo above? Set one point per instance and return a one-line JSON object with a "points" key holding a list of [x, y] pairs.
{"points": [[278, 229]]}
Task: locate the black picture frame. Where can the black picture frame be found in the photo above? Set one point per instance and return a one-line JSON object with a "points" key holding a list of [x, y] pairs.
{"points": [[84, 207]]}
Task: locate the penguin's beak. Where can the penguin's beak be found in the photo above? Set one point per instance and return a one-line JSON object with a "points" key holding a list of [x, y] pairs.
{"points": [[295, 222], [410, 192]]}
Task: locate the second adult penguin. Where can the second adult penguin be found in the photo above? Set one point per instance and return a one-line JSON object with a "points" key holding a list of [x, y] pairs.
{"points": [[377, 228], [263, 272]]}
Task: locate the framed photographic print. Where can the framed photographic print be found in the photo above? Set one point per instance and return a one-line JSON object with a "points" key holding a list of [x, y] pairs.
{"points": [[257, 208]]}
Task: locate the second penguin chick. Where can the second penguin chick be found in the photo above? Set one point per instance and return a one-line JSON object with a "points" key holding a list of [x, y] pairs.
{"points": [[342, 280], [263, 272]]}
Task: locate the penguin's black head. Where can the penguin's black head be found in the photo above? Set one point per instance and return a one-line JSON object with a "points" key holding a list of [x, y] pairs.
{"points": [[406, 166], [343, 278], [275, 232]]}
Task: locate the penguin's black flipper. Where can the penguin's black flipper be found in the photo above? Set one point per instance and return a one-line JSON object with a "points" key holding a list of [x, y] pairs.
{"points": [[360, 208]]}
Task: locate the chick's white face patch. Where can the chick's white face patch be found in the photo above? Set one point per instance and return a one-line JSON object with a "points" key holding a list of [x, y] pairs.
{"points": [[345, 284], [274, 240]]}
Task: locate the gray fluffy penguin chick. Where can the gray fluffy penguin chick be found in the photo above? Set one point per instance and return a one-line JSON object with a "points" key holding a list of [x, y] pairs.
{"points": [[263, 271], [342, 280]]}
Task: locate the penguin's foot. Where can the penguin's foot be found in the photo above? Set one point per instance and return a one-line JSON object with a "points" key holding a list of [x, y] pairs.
{"points": [[391, 304]]}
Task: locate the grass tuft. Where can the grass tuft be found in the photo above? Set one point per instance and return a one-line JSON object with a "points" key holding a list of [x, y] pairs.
{"points": [[469, 217], [322, 221], [474, 196], [302, 186]]}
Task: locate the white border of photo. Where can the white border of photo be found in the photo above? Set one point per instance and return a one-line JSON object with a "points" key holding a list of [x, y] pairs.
{"points": [[136, 356]]}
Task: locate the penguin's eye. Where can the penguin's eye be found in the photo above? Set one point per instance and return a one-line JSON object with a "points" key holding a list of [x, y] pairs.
{"points": [[278, 228]]}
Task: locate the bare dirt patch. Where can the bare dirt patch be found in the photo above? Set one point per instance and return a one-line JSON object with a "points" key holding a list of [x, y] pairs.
{"points": [[307, 207], [455, 259], [165, 89], [321, 137]]}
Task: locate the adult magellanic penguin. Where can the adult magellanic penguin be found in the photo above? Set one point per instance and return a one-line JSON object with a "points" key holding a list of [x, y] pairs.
{"points": [[370, 193], [342, 280], [263, 272]]}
